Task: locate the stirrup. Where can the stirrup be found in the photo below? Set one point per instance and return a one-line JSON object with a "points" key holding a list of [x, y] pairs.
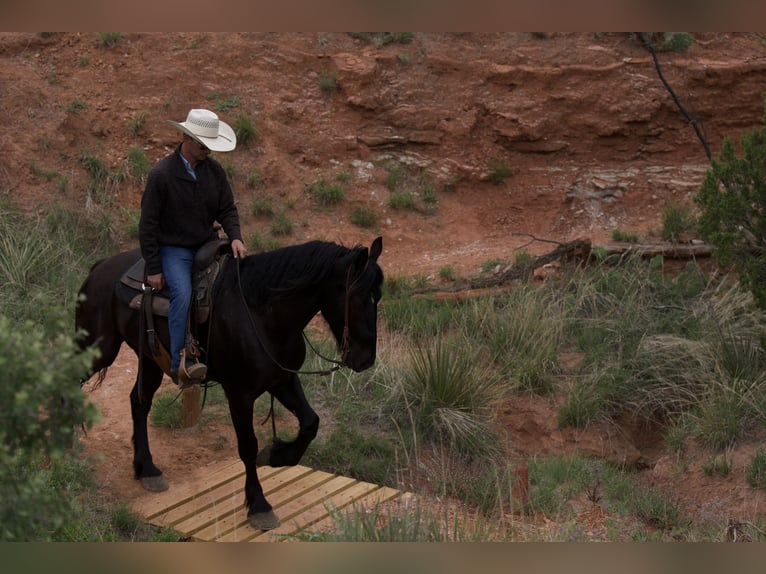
{"points": [[192, 373]]}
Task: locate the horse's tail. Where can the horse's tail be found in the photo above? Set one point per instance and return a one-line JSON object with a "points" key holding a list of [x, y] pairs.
{"points": [[100, 376]]}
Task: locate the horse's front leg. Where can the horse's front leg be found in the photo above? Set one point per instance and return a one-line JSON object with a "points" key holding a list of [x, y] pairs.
{"points": [[143, 466], [283, 453], [259, 512]]}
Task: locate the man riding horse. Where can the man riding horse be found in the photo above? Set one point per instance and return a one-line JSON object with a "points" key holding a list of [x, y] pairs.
{"points": [[186, 193]]}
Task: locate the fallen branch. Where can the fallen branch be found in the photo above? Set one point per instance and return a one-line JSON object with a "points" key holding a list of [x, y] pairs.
{"points": [[579, 250], [667, 250]]}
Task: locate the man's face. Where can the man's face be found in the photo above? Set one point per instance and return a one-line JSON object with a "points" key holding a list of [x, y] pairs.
{"points": [[195, 150]]}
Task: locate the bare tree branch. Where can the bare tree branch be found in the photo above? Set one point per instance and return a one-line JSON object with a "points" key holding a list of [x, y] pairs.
{"points": [[646, 39]]}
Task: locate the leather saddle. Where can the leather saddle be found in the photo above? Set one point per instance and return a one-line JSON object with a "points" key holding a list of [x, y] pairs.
{"points": [[207, 265]]}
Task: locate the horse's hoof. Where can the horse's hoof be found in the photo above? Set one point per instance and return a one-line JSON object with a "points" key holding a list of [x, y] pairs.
{"points": [[263, 520], [264, 457], [154, 483]]}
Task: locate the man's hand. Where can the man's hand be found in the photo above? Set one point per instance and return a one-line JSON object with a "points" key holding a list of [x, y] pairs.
{"points": [[238, 248], [156, 282]]}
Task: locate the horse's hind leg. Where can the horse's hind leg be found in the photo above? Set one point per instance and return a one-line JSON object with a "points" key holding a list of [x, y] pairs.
{"points": [[143, 466], [289, 453]]}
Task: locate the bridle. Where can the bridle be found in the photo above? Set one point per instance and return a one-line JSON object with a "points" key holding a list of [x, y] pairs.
{"points": [[345, 341]]}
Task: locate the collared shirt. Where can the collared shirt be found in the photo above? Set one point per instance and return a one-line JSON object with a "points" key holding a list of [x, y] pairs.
{"points": [[188, 167]]}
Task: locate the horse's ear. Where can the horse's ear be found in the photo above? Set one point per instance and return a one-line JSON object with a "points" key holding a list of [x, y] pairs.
{"points": [[376, 248]]}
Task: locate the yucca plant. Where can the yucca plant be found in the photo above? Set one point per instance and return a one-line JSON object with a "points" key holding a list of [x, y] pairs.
{"points": [[450, 398]]}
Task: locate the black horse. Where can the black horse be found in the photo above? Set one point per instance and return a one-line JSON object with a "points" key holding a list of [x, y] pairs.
{"points": [[254, 337]]}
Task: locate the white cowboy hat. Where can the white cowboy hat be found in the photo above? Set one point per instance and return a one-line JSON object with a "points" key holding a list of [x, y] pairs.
{"points": [[205, 127]]}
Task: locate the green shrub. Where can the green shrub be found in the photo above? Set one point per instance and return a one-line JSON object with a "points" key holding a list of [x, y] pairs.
{"points": [[363, 216], [254, 179], [733, 190], [166, 411], [137, 123], [327, 81], [498, 171], [350, 452], [244, 129], [326, 194], [756, 470], [138, 164], [281, 225], [676, 41], [380, 39], [108, 39], [262, 206], [624, 236], [450, 401], [76, 106], [401, 200], [677, 221], [42, 406]]}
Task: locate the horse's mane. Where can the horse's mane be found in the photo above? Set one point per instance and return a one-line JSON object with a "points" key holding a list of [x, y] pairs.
{"points": [[272, 274]]}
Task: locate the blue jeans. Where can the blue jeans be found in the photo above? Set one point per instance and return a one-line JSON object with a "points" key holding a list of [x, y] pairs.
{"points": [[177, 270]]}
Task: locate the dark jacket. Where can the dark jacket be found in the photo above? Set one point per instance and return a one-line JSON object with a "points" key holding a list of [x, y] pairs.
{"points": [[176, 210]]}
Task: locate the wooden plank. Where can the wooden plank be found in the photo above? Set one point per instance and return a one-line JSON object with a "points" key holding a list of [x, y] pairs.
{"points": [[237, 519], [228, 507], [279, 501], [177, 494], [337, 493], [221, 492], [211, 506]]}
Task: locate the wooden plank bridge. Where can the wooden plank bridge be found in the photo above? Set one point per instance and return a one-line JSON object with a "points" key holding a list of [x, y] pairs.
{"points": [[211, 506]]}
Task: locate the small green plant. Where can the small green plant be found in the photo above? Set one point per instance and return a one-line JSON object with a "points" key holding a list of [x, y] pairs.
{"points": [[380, 39], [755, 475], [363, 216], [262, 207], [227, 104], [255, 242], [327, 81], [326, 194], [254, 179], [675, 438], [348, 451], [717, 466], [624, 236], [108, 39], [395, 175], [492, 265], [403, 58], [76, 106], [447, 273], [134, 217], [137, 124], [138, 164], [521, 258], [678, 221], [676, 41], [166, 411], [49, 175], [498, 171], [281, 225], [401, 200], [244, 129], [343, 177]]}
